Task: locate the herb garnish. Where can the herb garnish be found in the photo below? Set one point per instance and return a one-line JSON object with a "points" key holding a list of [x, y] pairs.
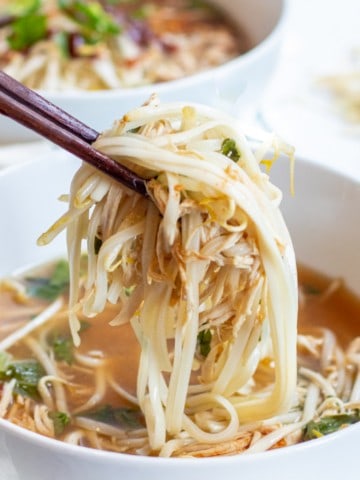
{"points": [[229, 148], [310, 289], [27, 30], [94, 21], [204, 342], [329, 424], [63, 348], [29, 25], [97, 244], [27, 374], [50, 288], [5, 359], [60, 421], [124, 417]]}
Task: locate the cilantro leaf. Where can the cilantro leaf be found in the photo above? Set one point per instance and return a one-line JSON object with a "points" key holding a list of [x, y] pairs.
{"points": [[63, 348], [50, 288], [60, 421], [229, 148], [204, 342], [92, 17], [329, 424], [124, 417], [27, 374], [27, 30]]}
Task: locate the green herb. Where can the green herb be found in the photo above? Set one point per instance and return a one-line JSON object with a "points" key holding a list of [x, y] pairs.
{"points": [[62, 41], [50, 288], [329, 424], [310, 289], [134, 130], [60, 421], [84, 325], [229, 148], [92, 18], [204, 342], [24, 7], [199, 4], [141, 13], [128, 290], [27, 374], [124, 417], [97, 244], [118, 2], [27, 30], [5, 359], [63, 348]]}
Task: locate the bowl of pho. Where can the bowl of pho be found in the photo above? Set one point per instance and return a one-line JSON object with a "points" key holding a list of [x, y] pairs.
{"points": [[207, 329], [96, 60]]}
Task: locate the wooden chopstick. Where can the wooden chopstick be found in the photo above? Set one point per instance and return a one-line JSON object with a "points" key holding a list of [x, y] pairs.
{"points": [[35, 112], [28, 97]]}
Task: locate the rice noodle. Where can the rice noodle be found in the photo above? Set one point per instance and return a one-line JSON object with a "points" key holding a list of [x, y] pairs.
{"points": [[217, 238]]}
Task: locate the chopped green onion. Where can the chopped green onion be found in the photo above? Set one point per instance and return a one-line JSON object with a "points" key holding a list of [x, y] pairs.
{"points": [[329, 424], [204, 342], [229, 148], [128, 290], [97, 244]]}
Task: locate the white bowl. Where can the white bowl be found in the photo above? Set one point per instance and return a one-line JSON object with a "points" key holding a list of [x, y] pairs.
{"points": [[323, 220], [238, 84]]}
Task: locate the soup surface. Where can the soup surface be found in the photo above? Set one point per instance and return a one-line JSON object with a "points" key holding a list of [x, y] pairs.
{"points": [[87, 395], [328, 304]]}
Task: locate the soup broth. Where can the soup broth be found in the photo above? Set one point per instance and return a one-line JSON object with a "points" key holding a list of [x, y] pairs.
{"points": [[88, 394], [328, 304]]}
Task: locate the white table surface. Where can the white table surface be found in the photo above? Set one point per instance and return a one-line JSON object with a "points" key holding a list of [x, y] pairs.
{"points": [[322, 37]]}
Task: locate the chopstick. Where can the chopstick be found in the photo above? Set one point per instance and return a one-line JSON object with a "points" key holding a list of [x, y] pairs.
{"points": [[35, 112]]}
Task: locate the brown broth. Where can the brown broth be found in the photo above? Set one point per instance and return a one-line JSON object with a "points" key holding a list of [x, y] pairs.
{"points": [[338, 310], [118, 346]]}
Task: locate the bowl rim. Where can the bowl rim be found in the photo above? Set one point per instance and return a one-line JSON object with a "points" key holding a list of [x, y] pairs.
{"points": [[244, 59], [86, 453]]}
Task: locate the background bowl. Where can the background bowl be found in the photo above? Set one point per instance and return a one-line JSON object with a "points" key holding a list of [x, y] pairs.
{"points": [[324, 225], [237, 85]]}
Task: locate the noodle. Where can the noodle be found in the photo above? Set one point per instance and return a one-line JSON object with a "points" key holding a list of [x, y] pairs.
{"points": [[217, 242]]}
